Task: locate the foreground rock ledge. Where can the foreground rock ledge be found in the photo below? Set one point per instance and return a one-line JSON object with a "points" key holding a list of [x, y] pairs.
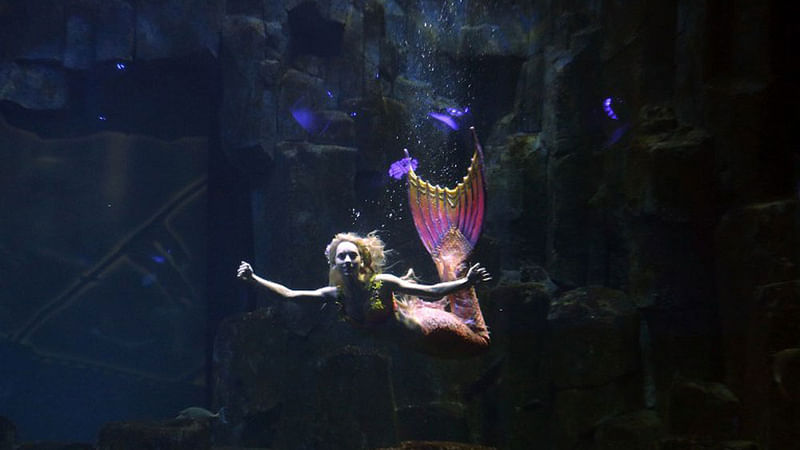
{"points": [[437, 445], [172, 435]]}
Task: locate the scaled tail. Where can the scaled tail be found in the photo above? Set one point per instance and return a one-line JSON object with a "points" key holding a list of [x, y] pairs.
{"points": [[439, 213], [449, 222]]}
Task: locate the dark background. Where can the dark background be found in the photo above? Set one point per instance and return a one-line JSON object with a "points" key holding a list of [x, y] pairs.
{"points": [[645, 256]]}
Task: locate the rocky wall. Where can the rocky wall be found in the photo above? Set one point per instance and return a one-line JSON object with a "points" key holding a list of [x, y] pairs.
{"points": [[610, 162], [642, 218]]}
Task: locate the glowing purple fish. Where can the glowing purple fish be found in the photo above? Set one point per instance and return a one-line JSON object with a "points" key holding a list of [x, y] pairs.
{"points": [[445, 119], [455, 112], [607, 107], [403, 166], [304, 117]]}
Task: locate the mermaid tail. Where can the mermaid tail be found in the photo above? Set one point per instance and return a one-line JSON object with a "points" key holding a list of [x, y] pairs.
{"points": [[449, 223], [437, 210]]}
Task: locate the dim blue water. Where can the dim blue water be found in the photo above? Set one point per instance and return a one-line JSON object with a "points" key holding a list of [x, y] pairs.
{"points": [[642, 204], [58, 401], [104, 314]]}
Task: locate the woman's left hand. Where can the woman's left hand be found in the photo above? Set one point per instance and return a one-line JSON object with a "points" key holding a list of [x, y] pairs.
{"points": [[478, 274]]}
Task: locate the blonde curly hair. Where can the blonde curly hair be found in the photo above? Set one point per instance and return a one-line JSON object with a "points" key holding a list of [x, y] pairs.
{"points": [[370, 248]]}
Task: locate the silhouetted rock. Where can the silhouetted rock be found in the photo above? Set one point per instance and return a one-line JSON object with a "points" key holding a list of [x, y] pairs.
{"points": [[175, 28], [248, 110], [8, 434], [593, 358], [324, 389], [577, 411], [355, 401], [518, 170], [54, 446], [669, 170], [445, 421], [436, 445], [639, 430], [757, 267], [594, 337], [174, 435], [673, 443], [306, 202], [704, 410], [33, 86]]}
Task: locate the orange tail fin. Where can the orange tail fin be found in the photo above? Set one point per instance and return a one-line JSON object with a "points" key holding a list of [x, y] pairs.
{"points": [[449, 222]]}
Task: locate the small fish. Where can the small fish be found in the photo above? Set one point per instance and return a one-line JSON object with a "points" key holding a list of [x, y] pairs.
{"points": [[305, 118], [198, 413], [445, 119], [607, 108], [455, 112], [401, 167]]}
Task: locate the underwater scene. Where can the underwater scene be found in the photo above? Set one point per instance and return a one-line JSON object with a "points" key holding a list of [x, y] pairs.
{"points": [[399, 224]]}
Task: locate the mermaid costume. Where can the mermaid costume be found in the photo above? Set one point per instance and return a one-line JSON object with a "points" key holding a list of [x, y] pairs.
{"points": [[449, 222]]}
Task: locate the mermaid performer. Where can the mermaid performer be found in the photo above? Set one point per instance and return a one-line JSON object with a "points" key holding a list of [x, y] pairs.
{"points": [[443, 319]]}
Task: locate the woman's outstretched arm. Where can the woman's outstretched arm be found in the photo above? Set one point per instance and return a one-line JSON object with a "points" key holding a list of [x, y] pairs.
{"points": [[245, 273], [476, 274]]}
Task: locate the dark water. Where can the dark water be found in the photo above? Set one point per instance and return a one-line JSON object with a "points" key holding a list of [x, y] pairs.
{"points": [[641, 222], [105, 286]]}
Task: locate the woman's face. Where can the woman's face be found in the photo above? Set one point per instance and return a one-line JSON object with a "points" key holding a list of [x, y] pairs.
{"points": [[347, 259]]}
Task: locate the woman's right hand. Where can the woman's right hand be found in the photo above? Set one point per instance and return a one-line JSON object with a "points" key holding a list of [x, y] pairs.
{"points": [[245, 271]]}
